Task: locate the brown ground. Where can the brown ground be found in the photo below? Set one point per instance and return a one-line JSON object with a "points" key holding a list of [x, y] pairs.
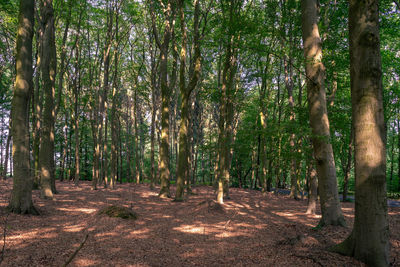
{"points": [[251, 230]]}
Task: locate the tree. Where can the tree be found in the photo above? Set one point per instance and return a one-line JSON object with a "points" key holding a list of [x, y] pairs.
{"points": [[185, 92], [48, 69], [169, 13], [323, 153], [21, 197], [369, 240]]}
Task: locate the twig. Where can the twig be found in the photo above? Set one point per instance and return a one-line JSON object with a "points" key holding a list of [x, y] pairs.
{"points": [[230, 219], [76, 251]]}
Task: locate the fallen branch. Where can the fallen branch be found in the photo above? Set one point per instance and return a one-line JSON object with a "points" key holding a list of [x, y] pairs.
{"points": [[4, 238], [76, 251]]}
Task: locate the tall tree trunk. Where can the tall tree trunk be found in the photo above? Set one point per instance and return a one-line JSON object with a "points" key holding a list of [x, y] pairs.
{"points": [[185, 92], [48, 68], [369, 240], [6, 158], [347, 168], [226, 120], [392, 157], [37, 105], [76, 93], [136, 147], [113, 120], [323, 153], [153, 113], [21, 196], [312, 189], [398, 148], [101, 149], [104, 153], [169, 12]]}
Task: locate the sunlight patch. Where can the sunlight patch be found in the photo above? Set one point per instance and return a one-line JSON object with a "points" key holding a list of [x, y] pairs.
{"points": [[73, 228], [190, 229]]}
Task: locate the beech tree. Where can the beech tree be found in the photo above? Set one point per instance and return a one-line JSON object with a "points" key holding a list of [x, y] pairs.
{"points": [[48, 70], [323, 153], [21, 197], [369, 240]]}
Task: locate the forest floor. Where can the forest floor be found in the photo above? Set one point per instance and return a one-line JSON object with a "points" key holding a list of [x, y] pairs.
{"points": [[250, 230]]}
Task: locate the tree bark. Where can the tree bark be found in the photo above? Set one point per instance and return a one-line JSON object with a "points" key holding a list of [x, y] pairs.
{"points": [[347, 168], [312, 189], [6, 158], [316, 95], [48, 68], [76, 92], [169, 12], [113, 121], [37, 105], [185, 92], [21, 196], [369, 240], [398, 146]]}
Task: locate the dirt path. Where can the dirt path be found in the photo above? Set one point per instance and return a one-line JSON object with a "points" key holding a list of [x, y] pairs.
{"points": [[251, 230]]}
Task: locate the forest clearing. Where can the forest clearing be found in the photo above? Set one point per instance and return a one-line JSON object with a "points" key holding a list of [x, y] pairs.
{"points": [[252, 229]]}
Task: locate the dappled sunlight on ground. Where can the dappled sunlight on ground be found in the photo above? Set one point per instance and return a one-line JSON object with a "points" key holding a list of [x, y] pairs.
{"points": [[250, 229]]}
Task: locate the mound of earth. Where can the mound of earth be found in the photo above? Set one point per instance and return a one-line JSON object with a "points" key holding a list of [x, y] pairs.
{"points": [[118, 212]]}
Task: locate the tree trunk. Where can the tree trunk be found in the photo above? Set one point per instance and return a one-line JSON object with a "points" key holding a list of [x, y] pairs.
{"points": [[21, 196], [113, 120], [312, 189], [101, 149], [76, 93], [48, 68], [136, 147], [169, 12], [37, 105], [323, 153], [398, 146], [348, 167], [369, 240], [6, 158], [185, 92]]}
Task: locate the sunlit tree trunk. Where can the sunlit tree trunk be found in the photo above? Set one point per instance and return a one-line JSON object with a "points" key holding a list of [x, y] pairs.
{"points": [[323, 153], [21, 196], [369, 240], [48, 68], [185, 92], [169, 12]]}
